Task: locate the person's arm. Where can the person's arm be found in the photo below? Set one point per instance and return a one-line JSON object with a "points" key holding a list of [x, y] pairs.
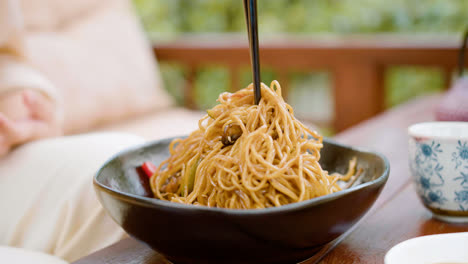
{"points": [[29, 107]]}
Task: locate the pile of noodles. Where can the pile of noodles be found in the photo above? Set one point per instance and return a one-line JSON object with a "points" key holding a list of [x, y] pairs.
{"points": [[245, 156]]}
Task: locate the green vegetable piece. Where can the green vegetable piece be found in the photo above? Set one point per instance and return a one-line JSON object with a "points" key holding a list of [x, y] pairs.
{"points": [[210, 113], [189, 180]]}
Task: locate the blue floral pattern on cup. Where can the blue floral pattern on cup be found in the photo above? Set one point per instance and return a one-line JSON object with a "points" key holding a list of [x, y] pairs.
{"points": [[462, 198], [428, 171], [461, 155], [440, 171], [464, 179]]}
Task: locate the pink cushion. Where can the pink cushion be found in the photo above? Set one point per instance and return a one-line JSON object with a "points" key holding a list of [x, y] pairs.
{"points": [[102, 64], [454, 105]]}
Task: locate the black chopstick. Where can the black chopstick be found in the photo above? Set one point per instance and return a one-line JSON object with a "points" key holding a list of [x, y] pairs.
{"points": [[250, 9]]}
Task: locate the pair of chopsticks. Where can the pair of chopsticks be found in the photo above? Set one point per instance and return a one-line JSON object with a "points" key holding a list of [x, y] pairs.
{"points": [[250, 9]]}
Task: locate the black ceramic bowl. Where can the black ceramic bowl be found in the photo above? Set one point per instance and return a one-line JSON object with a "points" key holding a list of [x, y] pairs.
{"points": [[198, 234]]}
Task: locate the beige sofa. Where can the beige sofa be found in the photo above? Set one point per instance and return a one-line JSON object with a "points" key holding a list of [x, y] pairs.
{"points": [[159, 124]]}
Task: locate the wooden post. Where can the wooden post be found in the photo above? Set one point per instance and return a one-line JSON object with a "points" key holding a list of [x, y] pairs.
{"points": [[189, 89], [358, 92], [447, 77], [234, 78]]}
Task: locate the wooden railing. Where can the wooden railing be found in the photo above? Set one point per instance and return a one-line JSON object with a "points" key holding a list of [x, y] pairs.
{"points": [[357, 63]]}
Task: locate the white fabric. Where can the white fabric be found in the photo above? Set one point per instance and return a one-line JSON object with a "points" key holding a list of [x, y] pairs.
{"points": [[11, 25], [163, 124], [12, 255], [47, 199], [53, 15], [17, 75], [92, 54]]}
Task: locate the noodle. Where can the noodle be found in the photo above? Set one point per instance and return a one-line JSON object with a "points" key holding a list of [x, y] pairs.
{"points": [[246, 156]]}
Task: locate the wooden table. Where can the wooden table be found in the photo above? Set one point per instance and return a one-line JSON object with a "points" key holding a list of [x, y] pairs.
{"points": [[397, 215]]}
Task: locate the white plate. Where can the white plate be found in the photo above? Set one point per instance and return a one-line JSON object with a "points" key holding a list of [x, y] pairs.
{"points": [[22, 256], [435, 249]]}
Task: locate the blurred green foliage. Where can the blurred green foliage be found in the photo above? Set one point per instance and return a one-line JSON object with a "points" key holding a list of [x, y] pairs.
{"points": [[403, 83], [164, 19], [170, 17]]}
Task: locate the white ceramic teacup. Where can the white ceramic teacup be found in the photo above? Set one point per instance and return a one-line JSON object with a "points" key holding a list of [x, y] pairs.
{"points": [[438, 158]]}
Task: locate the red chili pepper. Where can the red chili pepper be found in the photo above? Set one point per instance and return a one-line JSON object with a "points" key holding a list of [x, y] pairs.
{"points": [[149, 169]]}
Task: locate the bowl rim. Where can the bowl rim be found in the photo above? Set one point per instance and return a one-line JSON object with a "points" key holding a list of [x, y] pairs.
{"points": [[414, 130], [154, 202], [401, 250]]}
